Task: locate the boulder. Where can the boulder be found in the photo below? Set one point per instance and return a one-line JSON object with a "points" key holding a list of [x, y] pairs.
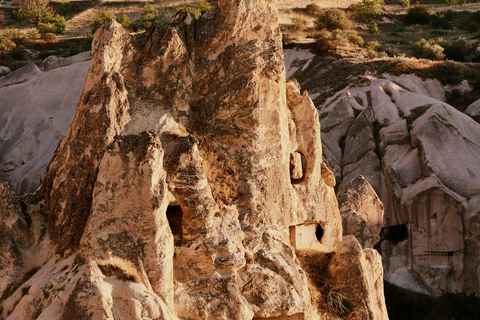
{"points": [[361, 211]]}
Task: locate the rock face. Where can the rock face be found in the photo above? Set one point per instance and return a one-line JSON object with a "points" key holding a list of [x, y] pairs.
{"points": [[36, 110], [361, 211], [421, 157], [190, 175]]}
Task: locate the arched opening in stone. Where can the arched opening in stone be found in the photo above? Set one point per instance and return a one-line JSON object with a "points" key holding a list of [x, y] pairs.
{"points": [[450, 253], [174, 216], [319, 232], [298, 167]]}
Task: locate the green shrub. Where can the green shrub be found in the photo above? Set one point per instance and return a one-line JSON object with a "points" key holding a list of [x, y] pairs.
{"points": [[330, 41], [312, 9], [440, 22], [404, 3], [333, 19], [45, 28], [300, 23], [203, 6], [373, 28], [58, 22], [148, 13], [200, 8], [124, 21], [352, 37], [32, 34], [462, 50], [367, 9], [139, 25], [428, 49], [65, 7], [417, 15], [102, 17], [6, 44], [34, 11]]}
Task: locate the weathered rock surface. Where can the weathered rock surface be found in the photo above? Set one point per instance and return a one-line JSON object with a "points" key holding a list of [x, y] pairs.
{"points": [[36, 109], [421, 157], [361, 211], [189, 177]]}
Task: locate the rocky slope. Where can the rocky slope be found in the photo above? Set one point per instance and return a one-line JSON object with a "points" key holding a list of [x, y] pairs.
{"points": [[421, 156], [188, 180], [36, 110]]}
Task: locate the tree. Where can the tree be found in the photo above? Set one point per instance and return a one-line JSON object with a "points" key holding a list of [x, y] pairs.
{"points": [[38, 12], [34, 11], [367, 9]]}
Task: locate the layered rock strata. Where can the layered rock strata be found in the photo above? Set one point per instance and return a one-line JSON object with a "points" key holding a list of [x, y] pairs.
{"points": [[189, 178]]}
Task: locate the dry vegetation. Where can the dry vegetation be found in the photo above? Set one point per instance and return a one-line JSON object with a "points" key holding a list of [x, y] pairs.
{"points": [[121, 268]]}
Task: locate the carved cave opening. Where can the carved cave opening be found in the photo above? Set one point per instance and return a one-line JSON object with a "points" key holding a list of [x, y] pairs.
{"points": [[394, 234], [319, 233], [175, 216], [298, 167]]}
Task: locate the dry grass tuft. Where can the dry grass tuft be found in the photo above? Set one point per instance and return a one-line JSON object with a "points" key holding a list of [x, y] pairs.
{"points": [[315, 264], [123, 269]]}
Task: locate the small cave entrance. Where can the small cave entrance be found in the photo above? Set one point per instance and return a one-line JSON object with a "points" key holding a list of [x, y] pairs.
{"points": [[298, 167], [394, 234], [319, 233], [175, 216]]}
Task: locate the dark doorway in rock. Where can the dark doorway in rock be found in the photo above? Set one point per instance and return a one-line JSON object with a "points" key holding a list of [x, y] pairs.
{"points": [[450, 253], [319, 232], [174, 216], [298, 167], [394, 234]]}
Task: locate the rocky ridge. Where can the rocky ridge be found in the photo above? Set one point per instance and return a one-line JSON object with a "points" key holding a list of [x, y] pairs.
{"points": [[188, 180]]}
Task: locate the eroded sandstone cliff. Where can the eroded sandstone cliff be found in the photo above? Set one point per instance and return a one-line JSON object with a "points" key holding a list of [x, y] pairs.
{"points": [[188, 180]]}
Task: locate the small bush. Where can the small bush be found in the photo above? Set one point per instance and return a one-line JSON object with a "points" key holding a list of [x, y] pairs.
{"points": [[440, 22], [58, 22], [148, 13], [404, 3], [373, 28], [473, 26], [65, 7], [300, 23], [462, 50], [367, 9], [124, 21], [417, 15], [6, 44], [45, 28], [428, 49], [102, 17], [203, 6], [333, 19], [330, 41], [312, 9], [200, 8]]}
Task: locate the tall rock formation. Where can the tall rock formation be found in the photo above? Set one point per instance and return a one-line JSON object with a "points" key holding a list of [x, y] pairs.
{"points": [[189, 178]]}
